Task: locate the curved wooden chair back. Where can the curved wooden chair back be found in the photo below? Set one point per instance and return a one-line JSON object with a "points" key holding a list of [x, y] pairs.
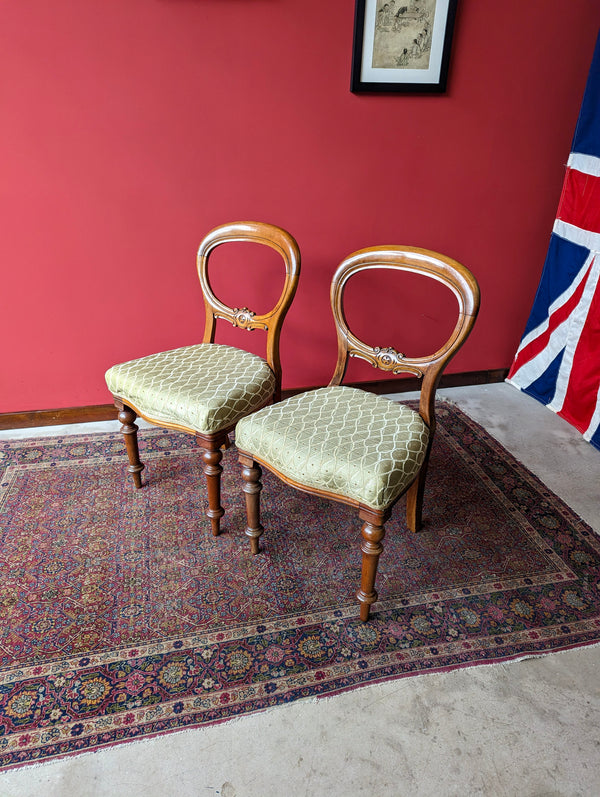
{"points": [[272, 321], [430, 264]]}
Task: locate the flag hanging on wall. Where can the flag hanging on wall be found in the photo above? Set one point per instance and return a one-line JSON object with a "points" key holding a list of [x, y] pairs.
{"points": [[558, 359]]}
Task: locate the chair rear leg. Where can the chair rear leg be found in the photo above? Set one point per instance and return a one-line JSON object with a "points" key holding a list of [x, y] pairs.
{"points": [[212, 456], [129, 429], [373, 532], [251, 474], [414, 498]]}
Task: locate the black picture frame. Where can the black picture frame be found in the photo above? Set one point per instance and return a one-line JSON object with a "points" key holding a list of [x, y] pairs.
{"points": [[384, 59]]}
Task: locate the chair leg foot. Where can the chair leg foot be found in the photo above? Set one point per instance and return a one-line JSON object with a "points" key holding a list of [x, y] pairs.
{"points": [[373, 532], [251, 474], [129, 429]]}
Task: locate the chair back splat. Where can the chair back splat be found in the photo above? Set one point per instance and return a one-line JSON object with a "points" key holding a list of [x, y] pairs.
{"points": [[205, 389], [347, 444]]}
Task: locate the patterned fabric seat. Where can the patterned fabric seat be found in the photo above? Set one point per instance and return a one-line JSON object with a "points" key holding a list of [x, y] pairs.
{"points": [[204, 388], [341, 440]]}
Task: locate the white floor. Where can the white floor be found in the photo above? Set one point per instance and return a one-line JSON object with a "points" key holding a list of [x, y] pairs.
{"points": [[526, 729]]}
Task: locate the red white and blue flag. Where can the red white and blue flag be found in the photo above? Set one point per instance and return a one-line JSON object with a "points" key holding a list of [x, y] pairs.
{"points": [[558, 360]]}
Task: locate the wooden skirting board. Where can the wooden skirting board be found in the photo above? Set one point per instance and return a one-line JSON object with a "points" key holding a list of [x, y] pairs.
{"points": [[108, 412]]}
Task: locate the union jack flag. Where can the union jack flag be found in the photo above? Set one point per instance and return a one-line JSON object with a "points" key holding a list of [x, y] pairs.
{"points": [[558, 359]]}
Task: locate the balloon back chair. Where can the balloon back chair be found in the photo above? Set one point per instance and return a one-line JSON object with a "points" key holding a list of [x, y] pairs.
{"points": [[205, 389], [350, 445]]}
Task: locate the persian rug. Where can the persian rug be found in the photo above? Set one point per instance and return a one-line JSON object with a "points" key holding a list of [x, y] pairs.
{"points": [[121, 616]]}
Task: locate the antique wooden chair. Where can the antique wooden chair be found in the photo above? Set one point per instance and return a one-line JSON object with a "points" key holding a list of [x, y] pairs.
{"points": [[204, 389], [349, 445]]}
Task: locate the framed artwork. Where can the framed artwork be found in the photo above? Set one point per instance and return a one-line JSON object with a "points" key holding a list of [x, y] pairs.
{"points": [[402, 45]]}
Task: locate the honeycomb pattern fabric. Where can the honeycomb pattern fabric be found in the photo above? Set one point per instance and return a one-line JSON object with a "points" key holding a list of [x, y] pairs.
{"points": [[206, 387], [340, 439]]}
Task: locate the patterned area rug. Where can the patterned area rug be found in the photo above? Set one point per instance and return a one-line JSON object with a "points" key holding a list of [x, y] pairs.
{"points": [[121, 616]]}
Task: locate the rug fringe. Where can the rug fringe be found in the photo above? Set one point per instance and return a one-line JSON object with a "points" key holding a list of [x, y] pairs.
{"points": [[500, 663]]}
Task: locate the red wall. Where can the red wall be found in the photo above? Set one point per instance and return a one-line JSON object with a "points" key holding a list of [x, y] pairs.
{"points": [[129, 128]]}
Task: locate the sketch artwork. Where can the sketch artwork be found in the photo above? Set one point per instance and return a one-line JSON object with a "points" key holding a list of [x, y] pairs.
{"points": [[403, 31]]}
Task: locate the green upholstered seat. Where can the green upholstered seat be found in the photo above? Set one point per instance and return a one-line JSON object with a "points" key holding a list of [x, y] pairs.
{"points": [[341, 440], [205, 388]]}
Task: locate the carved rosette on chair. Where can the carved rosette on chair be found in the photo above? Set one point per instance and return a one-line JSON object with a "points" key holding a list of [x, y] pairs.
{"points": [[347, 444], [206, 388]]}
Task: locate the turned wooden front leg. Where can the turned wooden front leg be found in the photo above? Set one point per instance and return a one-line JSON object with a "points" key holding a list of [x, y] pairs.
{"points": [[130, 429], [373, 532], [212, 470], [251, 474]]}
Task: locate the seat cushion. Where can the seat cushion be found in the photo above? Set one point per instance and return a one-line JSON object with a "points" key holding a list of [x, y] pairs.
{"points": [[205, 388], [340, 439]]}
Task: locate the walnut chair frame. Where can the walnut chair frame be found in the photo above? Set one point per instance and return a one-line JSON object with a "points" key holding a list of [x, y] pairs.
{"points": [[429, 369], [272, 321]]}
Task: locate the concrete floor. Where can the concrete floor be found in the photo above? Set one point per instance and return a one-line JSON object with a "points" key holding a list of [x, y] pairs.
{"points": [[526, 729]]}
